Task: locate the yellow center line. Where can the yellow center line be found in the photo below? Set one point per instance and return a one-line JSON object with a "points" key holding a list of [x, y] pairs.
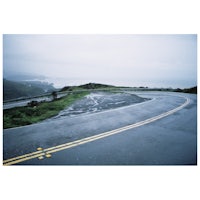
{"points": [[18, 160], [57, 148], [22, 156]]}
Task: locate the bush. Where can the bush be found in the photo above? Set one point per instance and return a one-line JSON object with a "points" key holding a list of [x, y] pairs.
{"points": [[33, 103]]}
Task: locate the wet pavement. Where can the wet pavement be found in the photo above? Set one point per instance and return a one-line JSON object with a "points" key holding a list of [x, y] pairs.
{"points": [[100, 101], [171, 140]]}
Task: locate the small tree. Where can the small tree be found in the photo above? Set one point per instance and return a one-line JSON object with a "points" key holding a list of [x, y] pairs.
{"points": [[54, 94]]}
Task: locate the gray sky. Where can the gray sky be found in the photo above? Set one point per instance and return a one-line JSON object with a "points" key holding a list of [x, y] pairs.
{"points": [[127, 60]]}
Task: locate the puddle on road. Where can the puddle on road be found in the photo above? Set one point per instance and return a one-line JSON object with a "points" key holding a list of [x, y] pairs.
{"points": [[100, 101]]}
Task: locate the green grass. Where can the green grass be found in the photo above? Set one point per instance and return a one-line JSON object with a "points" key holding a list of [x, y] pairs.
{"points": [[21, 116]]}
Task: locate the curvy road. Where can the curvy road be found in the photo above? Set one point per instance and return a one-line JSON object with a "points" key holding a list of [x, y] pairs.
{"points": [[161, 131]]}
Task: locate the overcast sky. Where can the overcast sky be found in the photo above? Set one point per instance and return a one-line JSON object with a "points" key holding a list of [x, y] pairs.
{"points": [[129, 60]]}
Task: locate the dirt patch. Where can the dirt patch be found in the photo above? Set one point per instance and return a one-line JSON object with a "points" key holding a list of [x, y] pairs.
{"points": [[100, 101]]}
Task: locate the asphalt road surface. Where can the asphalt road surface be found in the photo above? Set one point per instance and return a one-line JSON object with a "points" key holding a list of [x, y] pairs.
{"points": [[160, 131]]}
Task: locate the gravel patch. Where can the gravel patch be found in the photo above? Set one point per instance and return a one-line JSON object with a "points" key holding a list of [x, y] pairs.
{"points": [[100, 101]]}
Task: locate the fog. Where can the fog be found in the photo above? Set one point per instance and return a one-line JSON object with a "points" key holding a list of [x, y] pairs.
{"points": [[126, 60]]}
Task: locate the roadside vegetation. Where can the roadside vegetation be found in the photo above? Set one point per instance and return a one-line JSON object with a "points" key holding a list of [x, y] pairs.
{"points": [[89, 86], [192, 90], [34, 113]]}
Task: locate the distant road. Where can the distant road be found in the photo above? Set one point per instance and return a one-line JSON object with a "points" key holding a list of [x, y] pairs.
{"points": [[162, 131], [20, 103]]}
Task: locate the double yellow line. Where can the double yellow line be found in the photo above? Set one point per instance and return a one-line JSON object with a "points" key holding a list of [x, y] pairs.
{"points": [[61, 147]]}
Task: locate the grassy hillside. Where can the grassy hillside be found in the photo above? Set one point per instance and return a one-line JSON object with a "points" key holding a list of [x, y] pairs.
{"points": [[94, 86], [87, 86], [21, 116], [192, 90]]}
